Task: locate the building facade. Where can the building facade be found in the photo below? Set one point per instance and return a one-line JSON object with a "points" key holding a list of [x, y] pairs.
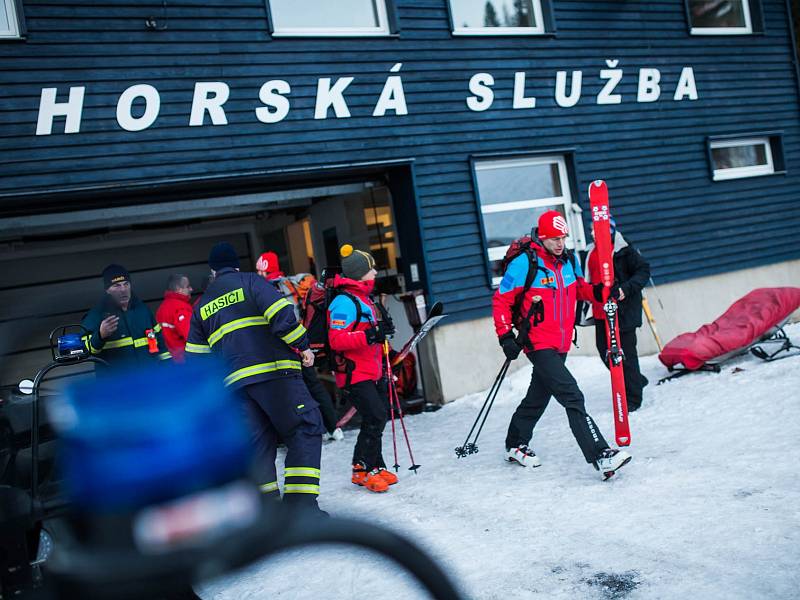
{"points": [[432, 131]]}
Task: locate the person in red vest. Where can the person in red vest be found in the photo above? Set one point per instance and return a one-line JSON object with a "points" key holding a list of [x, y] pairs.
{"points": [[175, 313]]}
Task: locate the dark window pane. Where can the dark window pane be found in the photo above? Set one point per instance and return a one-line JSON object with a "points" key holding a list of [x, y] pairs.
{"points": [[717, 13], [324, 14], [739, 156], [517, 182], [493, 13]]}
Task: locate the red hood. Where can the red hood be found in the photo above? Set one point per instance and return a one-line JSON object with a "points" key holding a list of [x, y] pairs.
{"points": [[170, 295], [361, 288]]}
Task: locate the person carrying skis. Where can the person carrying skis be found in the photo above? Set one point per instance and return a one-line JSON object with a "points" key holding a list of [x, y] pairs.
{"points": [[631, 273], [356, 336], [557, 283], [246, 322], [269, 268]]}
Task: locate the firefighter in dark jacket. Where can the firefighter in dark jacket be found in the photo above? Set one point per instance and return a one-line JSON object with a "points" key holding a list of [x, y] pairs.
{"points": [[631, 273], [122, 329], [245, 321]]}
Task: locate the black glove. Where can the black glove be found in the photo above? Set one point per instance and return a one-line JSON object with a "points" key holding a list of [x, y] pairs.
{"points": [[377, 333], [510, 346], [597, 291]]}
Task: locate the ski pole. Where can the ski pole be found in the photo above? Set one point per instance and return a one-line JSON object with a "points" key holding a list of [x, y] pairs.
{"points": [[394, 398], [389, 382], [471, 448], [651, 321], [670, 324]]}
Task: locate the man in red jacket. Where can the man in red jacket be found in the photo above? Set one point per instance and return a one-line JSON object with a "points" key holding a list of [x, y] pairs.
{"points": [[557, 283], [175, 314]]}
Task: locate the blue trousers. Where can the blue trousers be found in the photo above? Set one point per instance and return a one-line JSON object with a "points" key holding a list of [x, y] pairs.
{"points": [[283, 409]]}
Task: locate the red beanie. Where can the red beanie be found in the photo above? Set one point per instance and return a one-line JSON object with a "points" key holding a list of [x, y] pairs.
{"points": [[552, 224], [268, 263]]}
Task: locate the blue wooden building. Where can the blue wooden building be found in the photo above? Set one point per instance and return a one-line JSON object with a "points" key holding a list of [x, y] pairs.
{"points": [[431, 131]]}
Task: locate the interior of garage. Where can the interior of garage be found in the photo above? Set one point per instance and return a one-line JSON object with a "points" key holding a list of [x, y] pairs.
{"points": [[52, 263]]}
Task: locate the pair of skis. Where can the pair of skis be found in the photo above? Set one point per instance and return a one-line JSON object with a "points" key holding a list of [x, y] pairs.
{"points": [[598, 202]]}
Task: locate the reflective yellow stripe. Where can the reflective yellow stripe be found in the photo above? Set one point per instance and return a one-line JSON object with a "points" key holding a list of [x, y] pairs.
{"points": [[217, 304], [301, 472], [269, 367], [294, 335], [266, 488], [300, 488], [275, 307], [120, 343], [138, 343], [87, 339], [197, 348], [218, 334], [164, 356], [157, 328]]}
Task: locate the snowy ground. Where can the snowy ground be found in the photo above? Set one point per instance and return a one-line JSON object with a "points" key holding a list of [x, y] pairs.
{"points": [[708, 508]]}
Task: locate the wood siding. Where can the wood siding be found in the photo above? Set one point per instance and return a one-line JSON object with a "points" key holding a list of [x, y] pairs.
{"points": [[653, 156]]}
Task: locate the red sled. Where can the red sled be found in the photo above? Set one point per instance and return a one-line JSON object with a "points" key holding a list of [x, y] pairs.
{"points": [[753, 323]]}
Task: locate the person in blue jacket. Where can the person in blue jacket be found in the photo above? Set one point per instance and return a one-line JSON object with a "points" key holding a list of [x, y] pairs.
{"points": [[121, 328]]}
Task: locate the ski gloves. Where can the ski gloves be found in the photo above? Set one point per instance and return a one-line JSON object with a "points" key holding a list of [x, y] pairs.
{"points": [[378, 333], [510, 346], [597, 291]]}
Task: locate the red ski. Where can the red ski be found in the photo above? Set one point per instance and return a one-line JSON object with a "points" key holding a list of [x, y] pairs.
{"points": [[598, 201]]}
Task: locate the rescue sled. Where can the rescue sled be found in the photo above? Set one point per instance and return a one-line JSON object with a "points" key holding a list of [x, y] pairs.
{"points": [[754, 324]]}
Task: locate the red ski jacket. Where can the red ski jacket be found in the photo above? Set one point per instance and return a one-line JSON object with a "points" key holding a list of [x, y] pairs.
{"points": [[175, 315], [560, 285], [346, 324]]}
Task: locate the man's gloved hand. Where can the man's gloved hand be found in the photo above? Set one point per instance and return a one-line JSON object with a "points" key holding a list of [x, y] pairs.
{"points": [[387, 327], [510, 346], [597, 292], [375, 334]]}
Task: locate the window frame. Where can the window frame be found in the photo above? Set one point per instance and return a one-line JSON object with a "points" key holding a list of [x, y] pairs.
{"points": [[385, 18], [742, 172], [572, 210], [14, 12], [538, 11], [748, 29]]}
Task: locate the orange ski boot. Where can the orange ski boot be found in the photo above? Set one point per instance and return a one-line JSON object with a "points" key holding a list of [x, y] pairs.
{"points": [[369, 479], [389, 477]]}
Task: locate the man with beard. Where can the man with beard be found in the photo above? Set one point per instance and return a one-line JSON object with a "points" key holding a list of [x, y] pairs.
{"points": [[122, 329]]}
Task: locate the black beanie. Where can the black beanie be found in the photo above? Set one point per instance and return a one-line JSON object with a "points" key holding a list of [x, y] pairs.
{"points": [[223, 255], [355, 263], [114, 274]]}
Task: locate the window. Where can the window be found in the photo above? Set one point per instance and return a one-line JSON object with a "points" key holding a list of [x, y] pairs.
{"points": [[720, 17], [327, 18], [736, 158], [9, 20], [513, 192], [497, 17]]}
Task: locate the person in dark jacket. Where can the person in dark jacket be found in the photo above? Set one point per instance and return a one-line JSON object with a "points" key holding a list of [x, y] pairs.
{"points": [[631, 273], [357, 336], [122, 329], [245, 321], [175, 313]]}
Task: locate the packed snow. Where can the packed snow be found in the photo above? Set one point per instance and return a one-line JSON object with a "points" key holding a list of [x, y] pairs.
{"points": [[708, 508]]}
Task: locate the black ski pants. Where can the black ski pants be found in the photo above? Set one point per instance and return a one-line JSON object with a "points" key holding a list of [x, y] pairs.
{"points": [[634, 380], [323, 398], [552, 378], [283, 407], [371, 400]]}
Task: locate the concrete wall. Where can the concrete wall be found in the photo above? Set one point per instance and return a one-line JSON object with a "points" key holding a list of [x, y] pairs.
{"points": [[469, 356]]}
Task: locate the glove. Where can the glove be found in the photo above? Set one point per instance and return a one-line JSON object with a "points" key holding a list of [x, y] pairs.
{"points": [[510, 346], [597, 291], [377, 333]]}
